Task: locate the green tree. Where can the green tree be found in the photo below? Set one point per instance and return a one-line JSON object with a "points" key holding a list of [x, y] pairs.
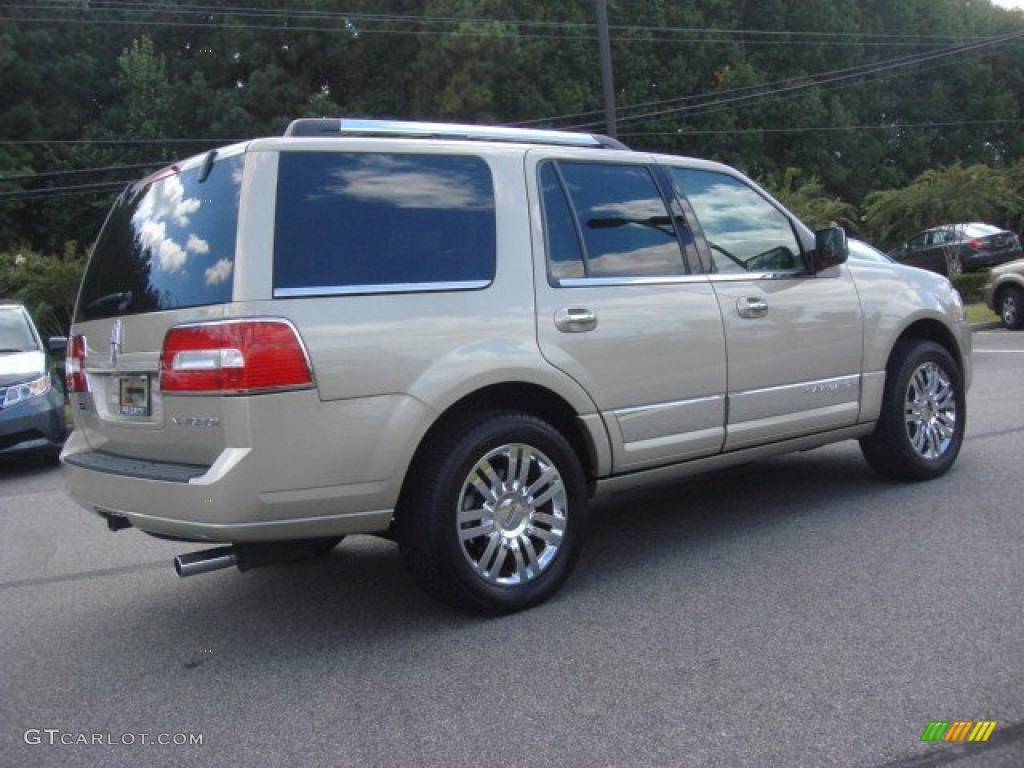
{"points": [[46, 283], [954, 193]]}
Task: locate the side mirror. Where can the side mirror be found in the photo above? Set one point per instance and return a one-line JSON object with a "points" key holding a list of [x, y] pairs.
{"points": [[830, 248], [58, 345]]}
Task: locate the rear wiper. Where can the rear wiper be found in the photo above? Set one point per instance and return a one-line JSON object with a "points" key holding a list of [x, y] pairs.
{"points": [[122, 300]]}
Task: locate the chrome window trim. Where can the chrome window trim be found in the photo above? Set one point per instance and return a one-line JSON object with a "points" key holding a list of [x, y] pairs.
{"points": [[732, 277], [356, 290], [590, 282]]}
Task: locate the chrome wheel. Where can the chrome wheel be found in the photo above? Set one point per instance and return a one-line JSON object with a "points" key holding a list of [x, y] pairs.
{"points": [[921, 422], [1010, 307], [930, 411], [512, 514]]}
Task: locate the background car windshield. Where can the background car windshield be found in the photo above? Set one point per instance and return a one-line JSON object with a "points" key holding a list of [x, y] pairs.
{"points": [[980, 230], [15, 332]]}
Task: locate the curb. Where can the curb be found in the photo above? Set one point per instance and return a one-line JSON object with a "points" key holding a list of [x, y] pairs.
{"points": [[989, 326]]}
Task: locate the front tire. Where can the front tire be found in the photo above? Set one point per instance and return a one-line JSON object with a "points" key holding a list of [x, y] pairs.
{"points": [[921, 424], [493, 517], [1011, 308]]}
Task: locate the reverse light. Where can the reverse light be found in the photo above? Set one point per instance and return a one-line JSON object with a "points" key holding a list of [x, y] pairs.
{"points": [[234, 357], [74, 369], [17, 393]]}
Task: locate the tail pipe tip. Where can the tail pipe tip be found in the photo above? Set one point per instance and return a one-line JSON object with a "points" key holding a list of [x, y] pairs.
{"points": [[204, 561]]}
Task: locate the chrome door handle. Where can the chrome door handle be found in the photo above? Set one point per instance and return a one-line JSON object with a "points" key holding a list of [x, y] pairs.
{"points": [[575, 320], [752, 307]]}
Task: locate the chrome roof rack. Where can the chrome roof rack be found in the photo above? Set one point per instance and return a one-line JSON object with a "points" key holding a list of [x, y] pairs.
{"points": [[334, 126]]}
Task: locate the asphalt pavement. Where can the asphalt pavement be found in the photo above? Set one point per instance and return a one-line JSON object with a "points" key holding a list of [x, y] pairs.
{"points": [[794, 612]]}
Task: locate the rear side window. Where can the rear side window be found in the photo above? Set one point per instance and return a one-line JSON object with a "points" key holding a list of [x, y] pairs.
{"points": [[166, 244], [371, 222]]}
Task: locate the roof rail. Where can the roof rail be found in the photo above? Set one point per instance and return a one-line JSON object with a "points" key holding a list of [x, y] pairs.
{"points": [[334, 126]]}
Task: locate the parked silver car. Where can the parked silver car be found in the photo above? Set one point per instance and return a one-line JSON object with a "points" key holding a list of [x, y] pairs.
{"points": [[458, 335]]}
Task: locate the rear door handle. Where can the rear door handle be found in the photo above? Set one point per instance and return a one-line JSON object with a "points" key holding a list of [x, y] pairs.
{"points": [[575, 320], [752, 307]]}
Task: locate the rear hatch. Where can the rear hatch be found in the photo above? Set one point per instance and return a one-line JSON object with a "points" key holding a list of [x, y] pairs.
{"points": [[164, 257]]}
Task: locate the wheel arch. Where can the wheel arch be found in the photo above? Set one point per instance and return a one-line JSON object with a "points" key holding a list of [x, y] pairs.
{"points": [[521, 397], [934, 331]]}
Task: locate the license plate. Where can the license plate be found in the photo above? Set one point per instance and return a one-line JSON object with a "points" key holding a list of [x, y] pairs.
{"points": [[133, 395]]}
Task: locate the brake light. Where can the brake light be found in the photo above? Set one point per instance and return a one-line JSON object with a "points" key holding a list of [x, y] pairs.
{"points": [[74, 365], [976, 245], [238, 356]]}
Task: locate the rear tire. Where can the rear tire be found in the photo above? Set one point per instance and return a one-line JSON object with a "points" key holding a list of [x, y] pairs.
{"points": [[1011, 308], [493, 516], [921, 425]]}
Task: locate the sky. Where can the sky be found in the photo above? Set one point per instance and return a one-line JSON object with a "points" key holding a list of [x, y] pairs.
{"points": [[1009, 3]]}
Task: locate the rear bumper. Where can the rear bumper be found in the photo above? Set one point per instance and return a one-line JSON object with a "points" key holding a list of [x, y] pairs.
{"points": [[983, 259], [343, 477]]}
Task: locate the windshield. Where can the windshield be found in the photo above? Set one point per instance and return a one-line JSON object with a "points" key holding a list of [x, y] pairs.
{"points": [[167, 244], [16, 333]]}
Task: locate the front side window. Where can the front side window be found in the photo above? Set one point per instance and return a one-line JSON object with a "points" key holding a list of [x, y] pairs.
{"points": [[166, 244], [370, 222], [745, 232], [607, 221]]}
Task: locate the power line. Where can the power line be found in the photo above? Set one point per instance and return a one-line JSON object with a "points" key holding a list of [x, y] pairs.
{"points": [[291, 13], [578, 30], [683, 102], [714, 104], [820, 129], [79, 171], [81, 189], [115, 142]]}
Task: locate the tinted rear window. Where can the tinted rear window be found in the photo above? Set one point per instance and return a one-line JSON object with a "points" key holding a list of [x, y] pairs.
{"points": [[358, 222], [168, 244], [980, 230]]}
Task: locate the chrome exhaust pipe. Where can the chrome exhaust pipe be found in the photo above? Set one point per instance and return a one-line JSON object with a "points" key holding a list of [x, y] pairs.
{"points": [[204, 561]]}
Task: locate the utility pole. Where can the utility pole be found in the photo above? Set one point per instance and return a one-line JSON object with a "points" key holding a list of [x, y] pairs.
{"points": [[607, 84]]}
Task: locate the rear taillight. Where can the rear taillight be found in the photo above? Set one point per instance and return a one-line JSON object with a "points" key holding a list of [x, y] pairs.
{"points": [[74, 366], [234, 357], [976, 245]]}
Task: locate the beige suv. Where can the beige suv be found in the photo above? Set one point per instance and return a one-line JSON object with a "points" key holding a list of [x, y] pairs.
{"points": [[457, 336]]}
